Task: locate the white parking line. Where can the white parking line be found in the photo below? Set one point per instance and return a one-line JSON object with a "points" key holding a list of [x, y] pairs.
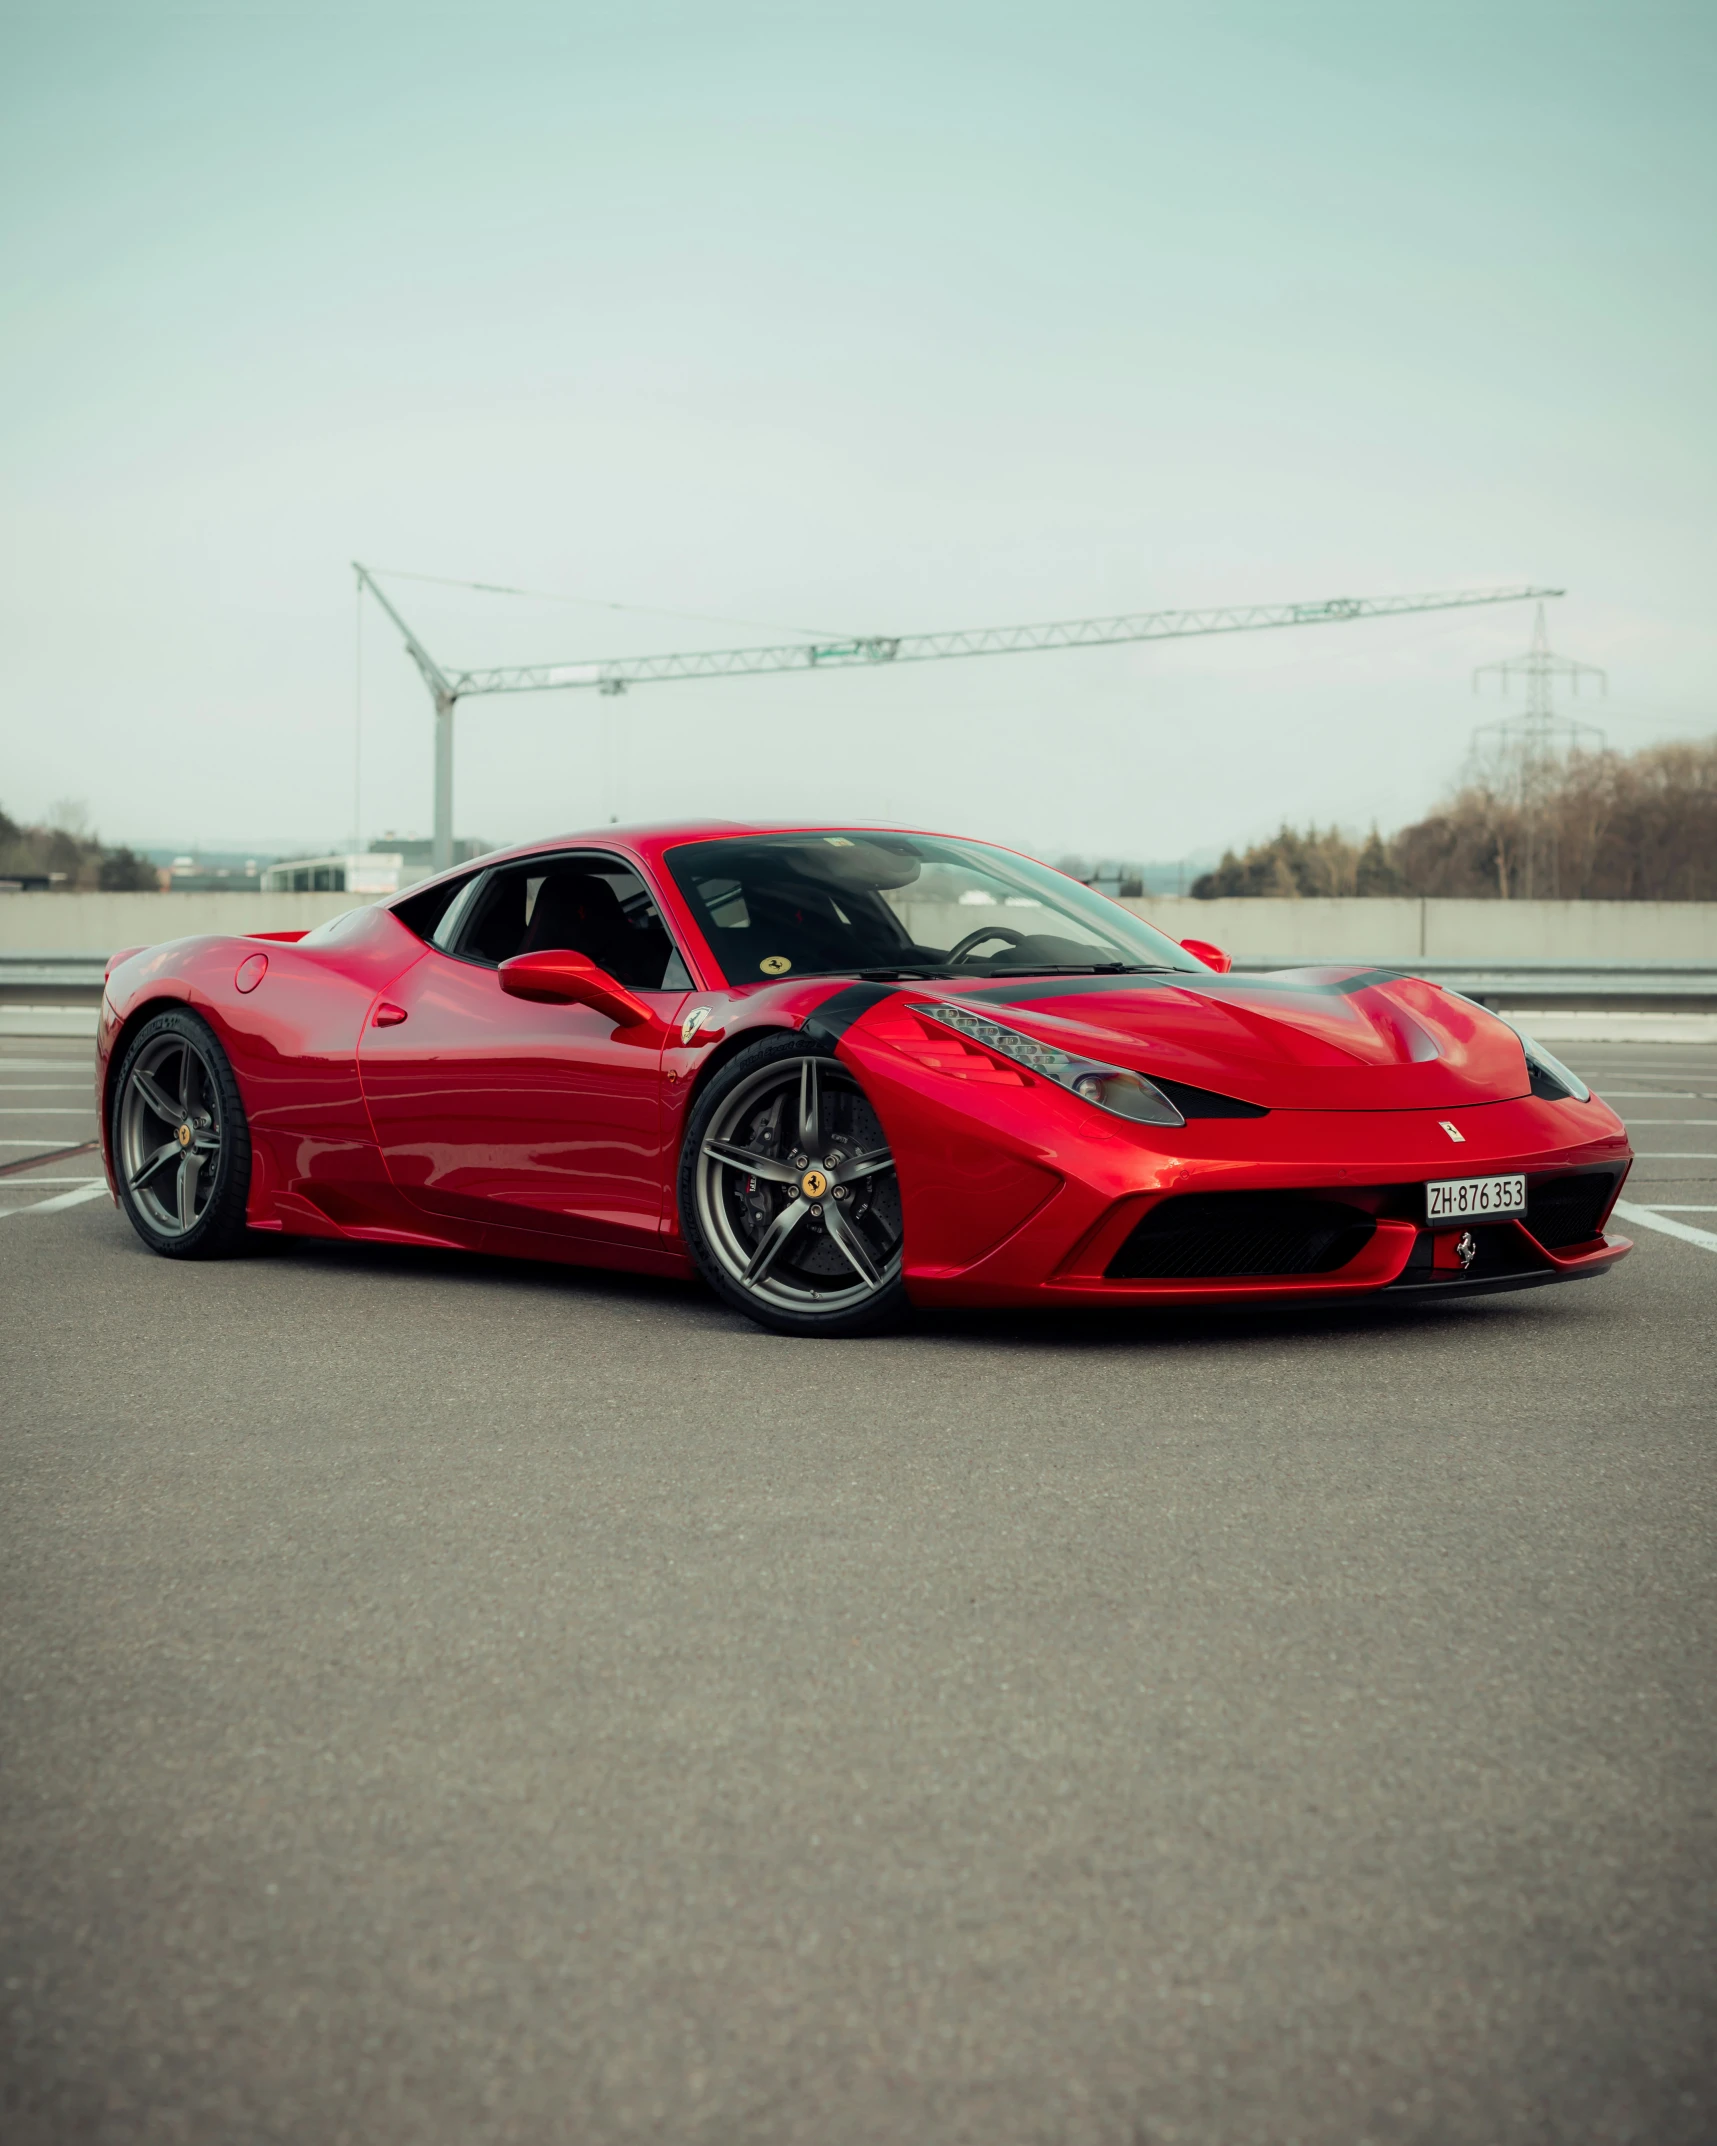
{"points": [[1643, 1124], [1646, 1218], [87, 1110], [1676, 1207], [84, 1066], [1675, 1154], [98, 1191]]}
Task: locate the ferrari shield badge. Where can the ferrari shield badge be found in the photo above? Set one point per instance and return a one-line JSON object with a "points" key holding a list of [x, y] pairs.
{"points": [[774, 964]]}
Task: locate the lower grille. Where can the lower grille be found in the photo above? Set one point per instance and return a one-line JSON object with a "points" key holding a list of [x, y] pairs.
{"points": [[1566, 1210], [1228, 1235], [1498, 1249]]}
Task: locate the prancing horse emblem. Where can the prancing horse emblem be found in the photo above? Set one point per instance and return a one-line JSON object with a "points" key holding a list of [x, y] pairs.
{"points": [[1454, 1132], [1466, 1248]]}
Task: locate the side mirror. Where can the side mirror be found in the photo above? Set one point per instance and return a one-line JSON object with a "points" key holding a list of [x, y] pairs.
{"points": [[559, 977], [1212, 956]]}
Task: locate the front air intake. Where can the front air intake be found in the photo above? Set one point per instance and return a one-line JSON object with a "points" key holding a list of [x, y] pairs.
{"points": [[1206, 1236], [1568, 1210]]}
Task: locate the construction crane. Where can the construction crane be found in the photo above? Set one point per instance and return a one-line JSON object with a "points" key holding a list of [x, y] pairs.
{"points": [[617, 674]]}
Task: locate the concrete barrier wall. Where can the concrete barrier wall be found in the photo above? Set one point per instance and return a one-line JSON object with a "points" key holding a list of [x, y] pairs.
{"points": [[1402, 932], [1399, 932], [101, 923], [1395, 932]]}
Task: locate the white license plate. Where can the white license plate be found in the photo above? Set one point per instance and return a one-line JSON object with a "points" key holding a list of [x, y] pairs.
{"points": [[1461, 1199]]}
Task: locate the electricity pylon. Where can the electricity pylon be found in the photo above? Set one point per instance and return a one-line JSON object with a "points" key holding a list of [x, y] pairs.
{"points": [[1517, 759], [617, 674], [1535, 733]]}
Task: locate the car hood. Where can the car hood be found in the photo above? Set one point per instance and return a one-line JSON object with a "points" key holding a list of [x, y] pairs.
{"points": [[1299, 1039]]}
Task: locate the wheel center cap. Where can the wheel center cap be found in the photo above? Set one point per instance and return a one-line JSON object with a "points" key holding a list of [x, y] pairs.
{"points": [[813, 1184], [183, 1136]]}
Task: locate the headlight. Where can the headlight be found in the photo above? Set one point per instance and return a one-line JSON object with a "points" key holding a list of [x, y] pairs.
{"points": [[1128, 1095], [1551, 1079]]}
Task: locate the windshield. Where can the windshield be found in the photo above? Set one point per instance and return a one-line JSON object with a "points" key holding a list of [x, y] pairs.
{"points": [[821, 904]]}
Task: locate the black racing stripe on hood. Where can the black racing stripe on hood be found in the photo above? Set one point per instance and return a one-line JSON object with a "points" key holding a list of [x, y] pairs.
{"points": [[830, 1021], [1296, 981], [1022, 988], [1293, 982]]}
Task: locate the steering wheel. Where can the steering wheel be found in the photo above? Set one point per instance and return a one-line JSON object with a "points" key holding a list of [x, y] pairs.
{"points": [[988, 931]]}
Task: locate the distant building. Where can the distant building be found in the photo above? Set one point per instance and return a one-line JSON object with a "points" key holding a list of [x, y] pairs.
{"points": [[397, 861], [358, 872], [186, 876], [417, 852]]}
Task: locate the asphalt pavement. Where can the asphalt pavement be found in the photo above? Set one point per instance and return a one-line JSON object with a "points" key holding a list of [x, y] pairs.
{"points": [[453, 1701]]}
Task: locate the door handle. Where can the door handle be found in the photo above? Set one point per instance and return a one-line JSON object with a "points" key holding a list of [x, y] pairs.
{"points": [[387, 1015]]}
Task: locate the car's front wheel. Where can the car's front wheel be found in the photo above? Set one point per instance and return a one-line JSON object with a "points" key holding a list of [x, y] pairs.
{"points": [[789, 1199], [181, 1146]]}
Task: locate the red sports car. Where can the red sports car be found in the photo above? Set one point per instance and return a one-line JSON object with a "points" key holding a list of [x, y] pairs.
{"points": [[837, 1071]]}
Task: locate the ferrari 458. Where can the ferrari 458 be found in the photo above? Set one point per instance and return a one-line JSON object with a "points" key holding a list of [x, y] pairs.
{"points": [[839, 1071]]}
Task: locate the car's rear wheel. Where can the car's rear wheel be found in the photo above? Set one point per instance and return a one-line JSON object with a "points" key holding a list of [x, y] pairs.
{"points": [[181, 1146], [789, 1199]]}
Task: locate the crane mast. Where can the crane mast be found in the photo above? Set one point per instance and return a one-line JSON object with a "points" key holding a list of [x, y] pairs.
{"points": [[617, 674]]}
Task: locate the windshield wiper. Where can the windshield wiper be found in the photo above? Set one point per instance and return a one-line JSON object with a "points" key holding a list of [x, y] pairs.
{"points": [[909, 968]]}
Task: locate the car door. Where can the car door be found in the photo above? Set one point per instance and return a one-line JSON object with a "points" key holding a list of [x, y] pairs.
{"points": [[521, 1117]]}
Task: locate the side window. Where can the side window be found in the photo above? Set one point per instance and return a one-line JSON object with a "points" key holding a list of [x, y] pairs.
{"points": [[430, 913], [495, 929], [595, 906]]}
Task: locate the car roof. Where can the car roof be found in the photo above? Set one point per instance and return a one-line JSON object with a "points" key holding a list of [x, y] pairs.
{"points": [[654, 839]]}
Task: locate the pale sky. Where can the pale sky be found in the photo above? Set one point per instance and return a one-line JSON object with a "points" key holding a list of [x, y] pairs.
{"points": [[870, 319]]}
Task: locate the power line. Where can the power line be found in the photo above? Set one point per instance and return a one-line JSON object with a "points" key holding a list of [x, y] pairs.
{"points": [[600, 603], [358, 723]]}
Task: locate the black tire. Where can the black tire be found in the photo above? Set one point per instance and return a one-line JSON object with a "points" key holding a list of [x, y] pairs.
{"points": [[180, 1140], [809, 1246]]}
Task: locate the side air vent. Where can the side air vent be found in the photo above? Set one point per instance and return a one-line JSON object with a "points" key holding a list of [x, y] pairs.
{"points": [[1566, 1210], [1227, 1235]]}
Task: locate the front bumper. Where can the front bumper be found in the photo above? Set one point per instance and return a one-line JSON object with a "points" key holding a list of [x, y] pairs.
{"points": [[1385, 1269], [1019, 1195]]}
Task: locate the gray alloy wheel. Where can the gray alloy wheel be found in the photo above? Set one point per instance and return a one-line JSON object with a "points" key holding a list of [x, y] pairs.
{"points": [[181, 1148], [789, 1193]]}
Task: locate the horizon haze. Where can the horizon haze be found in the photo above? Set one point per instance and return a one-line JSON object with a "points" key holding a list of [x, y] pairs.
{"points": [[793, 321]]}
